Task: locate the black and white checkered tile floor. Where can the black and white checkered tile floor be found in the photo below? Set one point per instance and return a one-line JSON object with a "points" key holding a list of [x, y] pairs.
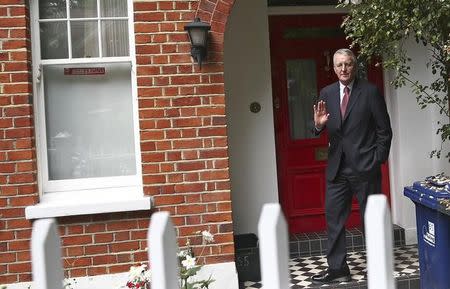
{"points": [[301, 269]]}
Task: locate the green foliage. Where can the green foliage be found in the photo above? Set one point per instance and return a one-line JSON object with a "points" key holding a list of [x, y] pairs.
{"points": [[189, 267], [379, 28]]}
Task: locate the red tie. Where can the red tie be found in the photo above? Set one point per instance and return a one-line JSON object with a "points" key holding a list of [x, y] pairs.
{"points": [[345, 101]]}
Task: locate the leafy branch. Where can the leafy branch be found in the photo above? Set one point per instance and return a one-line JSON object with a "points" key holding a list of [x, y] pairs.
{"points": [[378, 29]]}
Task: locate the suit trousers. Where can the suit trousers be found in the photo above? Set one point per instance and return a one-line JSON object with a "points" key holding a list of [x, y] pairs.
{"points": [[338, 204]]}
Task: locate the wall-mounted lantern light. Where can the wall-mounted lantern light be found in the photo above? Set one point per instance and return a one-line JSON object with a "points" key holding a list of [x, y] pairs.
{"points": [[198, 34]]}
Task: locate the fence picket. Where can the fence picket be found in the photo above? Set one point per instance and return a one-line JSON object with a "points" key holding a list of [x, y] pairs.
{"points": [[163, 252], [379, 244], [46, 255], [273, 247]]}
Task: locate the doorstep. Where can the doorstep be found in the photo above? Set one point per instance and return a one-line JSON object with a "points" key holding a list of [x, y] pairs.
{"points": [[315, 243]]}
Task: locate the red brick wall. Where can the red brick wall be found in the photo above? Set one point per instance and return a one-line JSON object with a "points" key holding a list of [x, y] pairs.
{"points": [[183, 141], [182, 112], [17, 155]]}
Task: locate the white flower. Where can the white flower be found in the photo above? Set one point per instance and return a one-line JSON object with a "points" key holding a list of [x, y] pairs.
{"points": [[148, 275], [207, 237], [356, 2], [182, 253], [188, 263], [136, 272]]}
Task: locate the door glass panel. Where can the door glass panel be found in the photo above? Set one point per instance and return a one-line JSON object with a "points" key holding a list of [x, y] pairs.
{"points": [[302, 93], [362, 70]]}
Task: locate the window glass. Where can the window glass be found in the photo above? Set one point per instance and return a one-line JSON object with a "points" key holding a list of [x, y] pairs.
{"points": [[89, 127], [52, 9], [111, 8], [84, 39], [83, 8], [115, 38], [54, 43], [84, 33]]}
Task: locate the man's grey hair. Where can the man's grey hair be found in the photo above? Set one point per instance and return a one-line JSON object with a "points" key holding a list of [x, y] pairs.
{"points": [[345, 51]]}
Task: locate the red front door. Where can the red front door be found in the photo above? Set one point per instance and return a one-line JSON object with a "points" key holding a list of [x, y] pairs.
{"points": [[302, 49]]}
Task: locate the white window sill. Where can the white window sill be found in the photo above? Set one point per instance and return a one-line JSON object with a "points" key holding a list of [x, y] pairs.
{"points": [[62, 209]]}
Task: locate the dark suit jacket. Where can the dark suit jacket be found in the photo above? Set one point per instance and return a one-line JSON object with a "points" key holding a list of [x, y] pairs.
{"points": [[363, 136]]}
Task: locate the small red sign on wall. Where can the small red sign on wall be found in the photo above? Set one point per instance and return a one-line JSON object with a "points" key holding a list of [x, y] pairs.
{"points": [[84, 71]]}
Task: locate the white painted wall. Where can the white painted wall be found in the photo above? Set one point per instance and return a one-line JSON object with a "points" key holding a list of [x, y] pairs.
{"points": [[251, 135], [414, 138]]}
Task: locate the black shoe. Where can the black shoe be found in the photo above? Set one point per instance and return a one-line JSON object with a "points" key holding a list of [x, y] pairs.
{"points": [[330, 276]]}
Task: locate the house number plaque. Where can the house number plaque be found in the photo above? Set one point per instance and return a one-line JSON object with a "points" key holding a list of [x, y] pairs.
{"points": [[321, 153]]}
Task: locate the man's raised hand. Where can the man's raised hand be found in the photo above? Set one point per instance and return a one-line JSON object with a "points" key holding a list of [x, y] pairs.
{"points": [[320, 115]]}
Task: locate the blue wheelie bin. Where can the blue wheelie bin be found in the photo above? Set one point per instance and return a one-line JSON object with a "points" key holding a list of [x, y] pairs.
{"points": [[432, 200]]}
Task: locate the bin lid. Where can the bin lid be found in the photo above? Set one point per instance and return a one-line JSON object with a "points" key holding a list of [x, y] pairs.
{"points": [[433, 192]]}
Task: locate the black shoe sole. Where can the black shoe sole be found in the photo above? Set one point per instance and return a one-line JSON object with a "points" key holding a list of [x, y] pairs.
{"points": [[336, 280]]}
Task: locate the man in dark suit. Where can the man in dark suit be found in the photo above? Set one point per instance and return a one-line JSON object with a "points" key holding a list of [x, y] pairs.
{"points": [[359, 130]]}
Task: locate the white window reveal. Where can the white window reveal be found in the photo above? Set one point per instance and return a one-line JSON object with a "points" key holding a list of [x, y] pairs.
{"points": [[86, 108]]}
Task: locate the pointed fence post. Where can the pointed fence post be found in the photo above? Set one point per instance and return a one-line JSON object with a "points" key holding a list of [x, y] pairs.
{"points": [[163, 252], [46, 255], [273, 248], [378, 227]]}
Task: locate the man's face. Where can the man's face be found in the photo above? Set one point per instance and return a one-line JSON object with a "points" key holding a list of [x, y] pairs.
{"points": [[344, 67]]}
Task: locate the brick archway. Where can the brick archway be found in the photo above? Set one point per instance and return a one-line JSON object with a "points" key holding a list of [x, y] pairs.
{"points": [[215, 12]]}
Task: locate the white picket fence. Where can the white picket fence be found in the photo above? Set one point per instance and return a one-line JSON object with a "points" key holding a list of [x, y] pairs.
{"points": [[273, 240]]}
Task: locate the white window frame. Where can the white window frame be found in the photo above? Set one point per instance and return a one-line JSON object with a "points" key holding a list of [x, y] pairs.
{"points": [[92, 195]]}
